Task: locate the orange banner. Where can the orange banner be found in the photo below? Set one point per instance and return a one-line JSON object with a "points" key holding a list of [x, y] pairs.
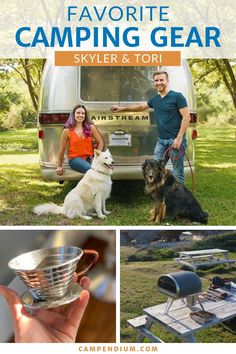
{"points": [[73, 58]]}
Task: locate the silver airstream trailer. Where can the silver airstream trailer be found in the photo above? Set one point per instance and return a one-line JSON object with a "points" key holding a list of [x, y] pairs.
{"points": [[131, 137]]}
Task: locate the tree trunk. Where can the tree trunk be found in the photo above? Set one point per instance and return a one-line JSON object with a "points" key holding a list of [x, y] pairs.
{"points": [[232, 78], [229, 80], [33, 94]]}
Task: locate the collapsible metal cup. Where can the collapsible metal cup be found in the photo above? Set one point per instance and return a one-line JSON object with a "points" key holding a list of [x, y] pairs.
{"points": [[48, 274]]}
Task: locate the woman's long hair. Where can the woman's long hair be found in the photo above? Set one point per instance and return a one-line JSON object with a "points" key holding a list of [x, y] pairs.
{"points": [[86, 124]]}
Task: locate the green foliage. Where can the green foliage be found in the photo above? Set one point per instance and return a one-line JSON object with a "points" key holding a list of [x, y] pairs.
{"points": [[19, 116], [206, 108], [216, 100], [220, 241], [28, 116], [13, 118], [166, 253], [142, 258], [19, 92], [151, 255], [7, 98]]}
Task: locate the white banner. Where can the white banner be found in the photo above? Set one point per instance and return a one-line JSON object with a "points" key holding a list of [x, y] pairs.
{"points": [[199, 28], [118, 348]]}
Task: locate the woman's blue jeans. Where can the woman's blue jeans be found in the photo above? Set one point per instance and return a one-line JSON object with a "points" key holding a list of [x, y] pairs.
{"points": [[178, 164], [79, 165]]}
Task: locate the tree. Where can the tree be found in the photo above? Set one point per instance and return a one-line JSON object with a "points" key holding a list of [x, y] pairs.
{"points": [[29, 71], [228, 75], [13, 118], [220, 70]]}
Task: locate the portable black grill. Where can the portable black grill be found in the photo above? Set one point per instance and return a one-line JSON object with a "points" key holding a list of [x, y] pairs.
{"points": [[180, 285]]}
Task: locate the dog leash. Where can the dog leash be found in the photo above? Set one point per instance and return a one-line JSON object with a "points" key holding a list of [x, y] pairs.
{"points": [[181, 152]]}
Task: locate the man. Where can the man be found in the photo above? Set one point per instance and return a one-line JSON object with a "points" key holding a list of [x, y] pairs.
{"points": [[172, 119]]}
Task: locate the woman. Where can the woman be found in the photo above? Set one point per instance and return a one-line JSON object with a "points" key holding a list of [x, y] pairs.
{"points": [[78, 135]]}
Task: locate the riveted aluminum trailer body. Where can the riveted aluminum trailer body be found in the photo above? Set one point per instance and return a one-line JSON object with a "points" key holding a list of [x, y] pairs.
{"points": [[130, 137]]}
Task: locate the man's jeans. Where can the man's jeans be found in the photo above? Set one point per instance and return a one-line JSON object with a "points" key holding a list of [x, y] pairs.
{"points": [[178, 165]]}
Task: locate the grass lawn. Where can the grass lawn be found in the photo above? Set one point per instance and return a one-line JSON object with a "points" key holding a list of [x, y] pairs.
{"points": [[21, 185], [18, 142], [138, 291]]}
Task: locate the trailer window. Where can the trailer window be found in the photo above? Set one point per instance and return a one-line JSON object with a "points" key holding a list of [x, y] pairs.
{"points": [[112, 84]]}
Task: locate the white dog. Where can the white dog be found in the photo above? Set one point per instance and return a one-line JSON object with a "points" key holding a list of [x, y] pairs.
{"points": [[90, 193]]}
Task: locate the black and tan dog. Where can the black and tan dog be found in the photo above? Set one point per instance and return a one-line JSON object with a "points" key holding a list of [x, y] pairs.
{"points": [[172, 199]]}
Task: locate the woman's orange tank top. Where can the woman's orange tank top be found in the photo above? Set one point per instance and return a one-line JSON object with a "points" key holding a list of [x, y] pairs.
{"points": [[79, 147]]}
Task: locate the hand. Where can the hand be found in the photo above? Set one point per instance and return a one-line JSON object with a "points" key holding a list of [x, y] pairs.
{"points": [[58, 325], [177, 143], [115, 108], [60, 171]]}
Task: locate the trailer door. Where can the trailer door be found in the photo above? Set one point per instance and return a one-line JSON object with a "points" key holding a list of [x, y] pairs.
{"points": [[131, 137]]}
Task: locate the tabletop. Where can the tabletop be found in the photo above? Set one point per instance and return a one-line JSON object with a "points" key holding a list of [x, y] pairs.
{"points": [[178, 321], [202, 252]]}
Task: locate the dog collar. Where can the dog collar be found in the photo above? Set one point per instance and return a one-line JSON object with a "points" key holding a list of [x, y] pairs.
{"points": [[103, 173]]}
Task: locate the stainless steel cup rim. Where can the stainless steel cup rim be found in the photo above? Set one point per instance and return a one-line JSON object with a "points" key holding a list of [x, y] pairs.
{"points": [[30, 261]]}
